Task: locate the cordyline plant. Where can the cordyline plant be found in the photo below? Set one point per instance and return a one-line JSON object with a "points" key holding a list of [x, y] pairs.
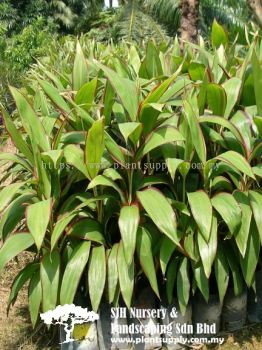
{"points": [[136, 169]]}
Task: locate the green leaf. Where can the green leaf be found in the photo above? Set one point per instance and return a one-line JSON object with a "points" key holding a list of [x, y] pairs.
{"points": [[114, 150], [171, 276], [49, 274], [34, 297], [256, 205], [75, 157], [131, 130], [196, 71], [128, 224], [157, 138], [243, 232], [208, 250], [250, 259], [102, 180], [59, 228], [19, 281], [13, 246], [8, 193], [30, 120], [37, 218], [86, 95], [17, 138], [126, 276], [257, 71], [144, 252], [87, 229], [237, 161], [55, 96], [229, 209], [73, 272], [216, 99], [112, 275], [80, 70], [183, 285], [201, 280], [196, 132], [94, 148], [160, 211], [233, 263], [166, 250], [126, 90], [222, 273], [218, 35], [97, 276], [201, 213], [232, 88]]}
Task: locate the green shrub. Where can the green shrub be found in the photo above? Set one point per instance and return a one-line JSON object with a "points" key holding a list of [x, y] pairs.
{"points": [[135, 166]]}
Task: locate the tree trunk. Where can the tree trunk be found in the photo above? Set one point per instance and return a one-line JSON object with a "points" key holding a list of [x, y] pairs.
{"points": [[256, 8], [189, 20], [110, 3]]}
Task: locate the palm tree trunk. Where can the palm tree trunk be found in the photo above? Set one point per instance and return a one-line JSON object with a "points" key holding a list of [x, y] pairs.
{"points": [[189, 20], [256, 7]]}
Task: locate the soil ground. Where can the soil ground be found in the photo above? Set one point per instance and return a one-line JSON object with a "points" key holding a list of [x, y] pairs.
{"points": [[16, 332]]}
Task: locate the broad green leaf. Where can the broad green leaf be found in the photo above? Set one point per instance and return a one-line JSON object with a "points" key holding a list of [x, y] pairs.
{"points": [[229, 209], [128, 95], [171, 277], [201, 280], [243, 232], [183, 285], [216, 99], [37, 218], [218, 35], [222, 273], [75, 157], [257, 71], [8, 193], [55, 97], [233, 263], [34, 297], [201, 213], [94, 148], [19, 281], [97, 276], [114, 150], [224, 123], [126, 276], [144, 252], [17, 138], [256, 205], [160, 211], [86, 95], [59, 228], [108, 102], [166, 250], [157, 138], [13, 246], [30, 120], [232, 88], [80, 70], [250, 259], [49, 274], [237, 161], [73, 272], [208, 250], [87, 229], [131, 130], [128, 224], [196, 71], [196, 132], [102, 180], [112, 274]]}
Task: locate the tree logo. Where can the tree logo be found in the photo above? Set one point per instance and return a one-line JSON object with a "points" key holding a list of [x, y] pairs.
{"points": [[68, 316]]}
